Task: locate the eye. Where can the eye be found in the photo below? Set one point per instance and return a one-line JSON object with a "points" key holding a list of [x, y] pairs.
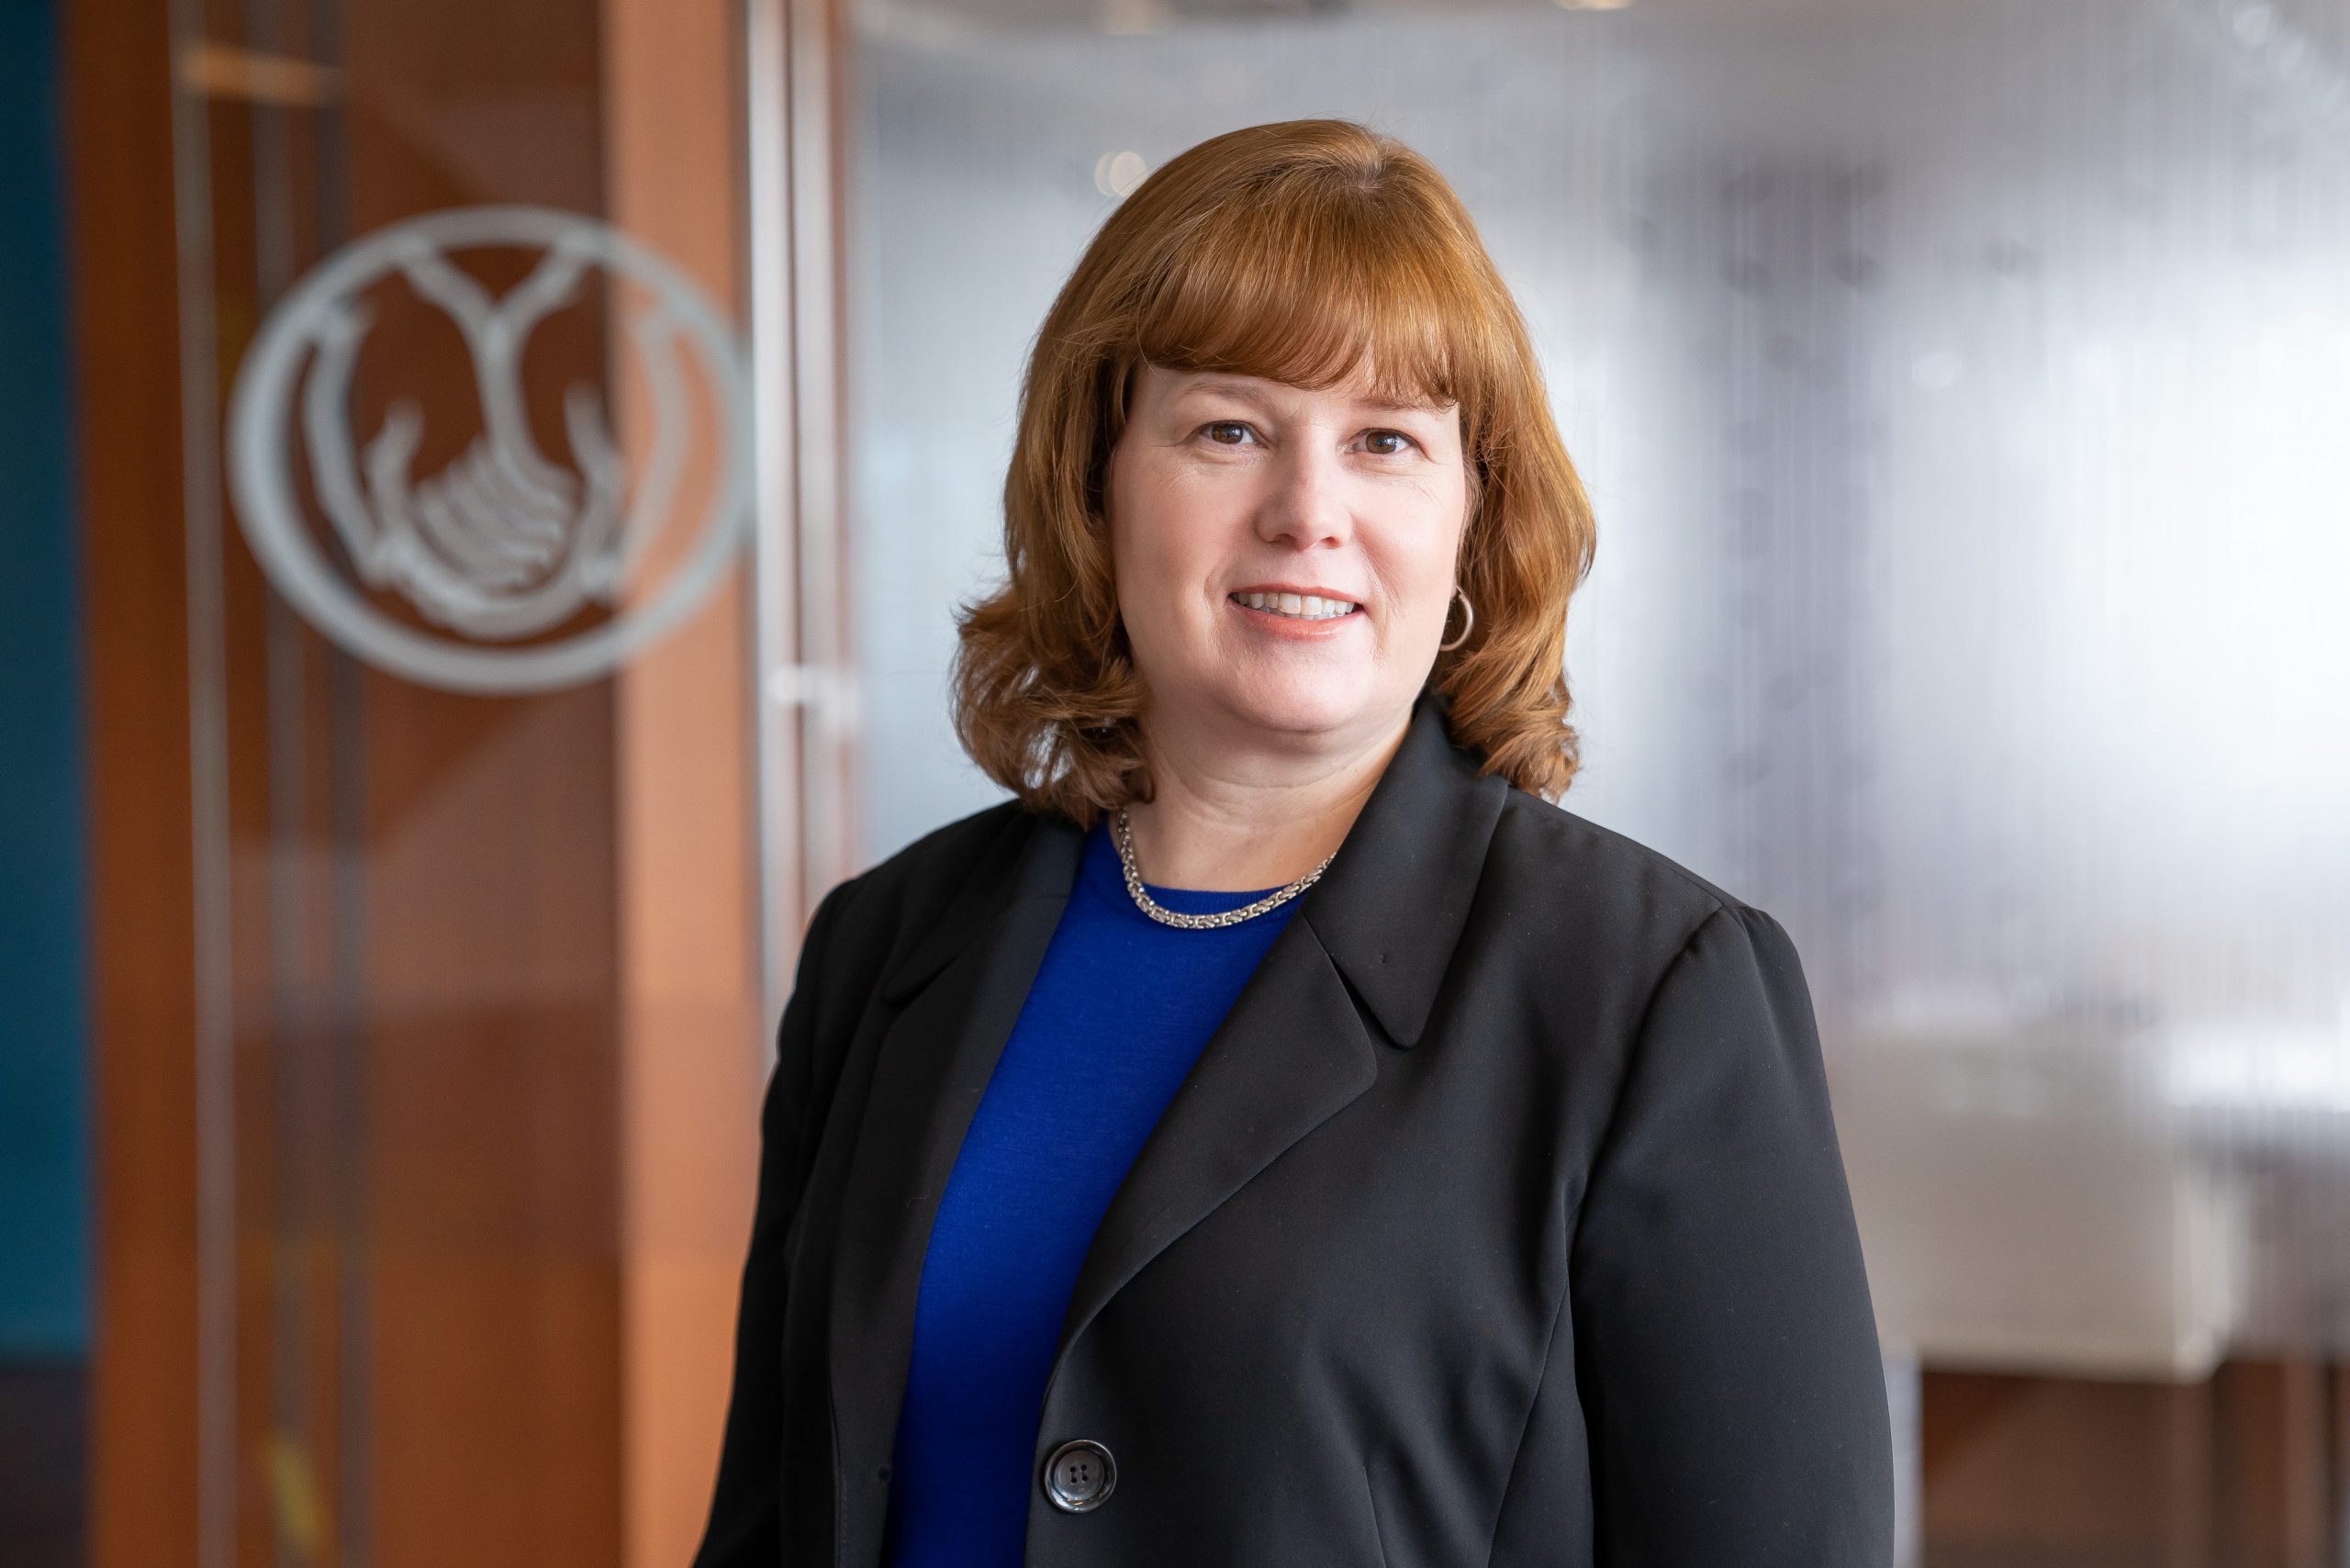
{"points": [[1222, 425], [1382, 435]]}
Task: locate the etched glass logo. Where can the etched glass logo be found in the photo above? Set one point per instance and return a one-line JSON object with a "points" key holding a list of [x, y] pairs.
{"points": [[502, 542]]}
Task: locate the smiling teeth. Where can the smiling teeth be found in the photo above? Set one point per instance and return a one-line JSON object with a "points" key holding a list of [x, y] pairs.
{"points": [[1304, 606]]}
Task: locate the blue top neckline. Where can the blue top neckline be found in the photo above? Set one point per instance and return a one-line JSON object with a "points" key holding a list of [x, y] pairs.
{"points": [[1108, 878]]}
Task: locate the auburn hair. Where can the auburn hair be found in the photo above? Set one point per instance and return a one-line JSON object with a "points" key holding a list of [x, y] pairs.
{"points": [[1287, 251]]}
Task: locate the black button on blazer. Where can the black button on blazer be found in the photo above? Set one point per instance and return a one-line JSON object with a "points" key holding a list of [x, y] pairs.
{"points": [[1502, 1222]]}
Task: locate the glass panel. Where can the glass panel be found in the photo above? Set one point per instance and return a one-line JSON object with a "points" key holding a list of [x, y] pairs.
{"points": [[1959, 386], [480, 851]]}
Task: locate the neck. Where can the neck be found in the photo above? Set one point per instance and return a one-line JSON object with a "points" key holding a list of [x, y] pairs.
{"points": [[1233, 818]]}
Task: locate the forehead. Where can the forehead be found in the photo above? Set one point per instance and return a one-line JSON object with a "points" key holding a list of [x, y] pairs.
{"points": [[1356, 392]]}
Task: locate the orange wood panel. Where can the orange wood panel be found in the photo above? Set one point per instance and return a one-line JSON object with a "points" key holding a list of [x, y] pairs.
{"points": [[126, 325], [2235, 1471], [492, 896], [692, 1048]]}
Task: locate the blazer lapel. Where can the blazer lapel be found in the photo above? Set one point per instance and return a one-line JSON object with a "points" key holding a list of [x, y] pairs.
{"points": [[1291, 1053], [1296, 1050], [932, 1065]]}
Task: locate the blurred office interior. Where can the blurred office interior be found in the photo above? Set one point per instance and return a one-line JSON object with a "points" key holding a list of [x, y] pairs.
{"points": [[394, 952]]}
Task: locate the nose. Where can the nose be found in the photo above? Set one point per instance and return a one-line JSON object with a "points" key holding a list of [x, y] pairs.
{"points": [[1308, 504]]}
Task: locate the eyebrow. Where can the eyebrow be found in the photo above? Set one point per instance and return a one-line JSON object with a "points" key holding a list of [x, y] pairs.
{"points": [[1247, 392]]}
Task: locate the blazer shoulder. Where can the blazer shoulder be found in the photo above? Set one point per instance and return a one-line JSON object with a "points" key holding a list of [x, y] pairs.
{"points": [[1633, 918], [945, 853], [889, 906], [1608, 886]]}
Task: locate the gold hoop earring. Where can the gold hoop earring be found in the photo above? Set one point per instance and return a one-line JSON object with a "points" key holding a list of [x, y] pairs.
{"points": [[1468, 609]]}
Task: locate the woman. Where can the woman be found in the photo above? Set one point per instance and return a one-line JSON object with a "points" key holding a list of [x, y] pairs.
{"points": [[1279, 1135]]}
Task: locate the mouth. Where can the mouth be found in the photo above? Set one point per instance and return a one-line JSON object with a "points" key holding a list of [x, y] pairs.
{"points": [[1297, 606]]}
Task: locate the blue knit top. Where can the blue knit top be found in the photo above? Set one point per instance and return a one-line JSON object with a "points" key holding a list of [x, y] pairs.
{"points": [[1117, 1014]]}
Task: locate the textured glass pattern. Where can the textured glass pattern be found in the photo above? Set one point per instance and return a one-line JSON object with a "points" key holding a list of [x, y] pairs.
{"points": [[1962, 389]]}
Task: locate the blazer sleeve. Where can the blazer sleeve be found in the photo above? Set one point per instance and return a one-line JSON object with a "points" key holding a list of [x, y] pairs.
{"points": [[1730, 1401], [744, 1527]]}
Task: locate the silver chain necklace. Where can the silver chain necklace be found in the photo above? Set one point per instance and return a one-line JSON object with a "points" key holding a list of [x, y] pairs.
{"points": [[1123, 837]]}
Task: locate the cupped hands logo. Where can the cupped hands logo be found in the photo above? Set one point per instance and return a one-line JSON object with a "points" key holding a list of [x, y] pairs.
{"points": [[502, 542]]}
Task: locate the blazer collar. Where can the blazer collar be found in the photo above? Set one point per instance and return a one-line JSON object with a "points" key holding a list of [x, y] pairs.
{"points": [[1377, 929], [1389, 910], [1391, 907]]}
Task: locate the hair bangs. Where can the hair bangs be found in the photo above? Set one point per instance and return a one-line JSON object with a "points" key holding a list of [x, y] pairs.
{"points": [[1303, 286]]}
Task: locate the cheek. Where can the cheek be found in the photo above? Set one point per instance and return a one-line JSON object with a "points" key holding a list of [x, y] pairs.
{"points": [[1175, 537], [1140, 542], [1134, 532], [1418, 570], [1154, 578]]}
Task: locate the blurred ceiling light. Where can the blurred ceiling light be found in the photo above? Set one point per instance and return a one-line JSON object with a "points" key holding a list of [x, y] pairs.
{"points": [[1937, 370], [1132, 16], [216, 71], [1117, 173], [1592, 5]]}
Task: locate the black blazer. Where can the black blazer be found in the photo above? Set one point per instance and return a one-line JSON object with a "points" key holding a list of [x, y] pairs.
{"points": [[1502, 1222]]}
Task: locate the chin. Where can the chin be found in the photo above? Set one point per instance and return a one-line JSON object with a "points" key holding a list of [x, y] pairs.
{"points": [[1304, 708]]}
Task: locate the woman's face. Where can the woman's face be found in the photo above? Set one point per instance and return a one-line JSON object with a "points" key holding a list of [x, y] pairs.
{"points": [[1232, 496]]}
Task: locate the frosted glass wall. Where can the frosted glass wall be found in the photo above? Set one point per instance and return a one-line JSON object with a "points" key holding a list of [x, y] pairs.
{"points": [[1962, 387]]}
